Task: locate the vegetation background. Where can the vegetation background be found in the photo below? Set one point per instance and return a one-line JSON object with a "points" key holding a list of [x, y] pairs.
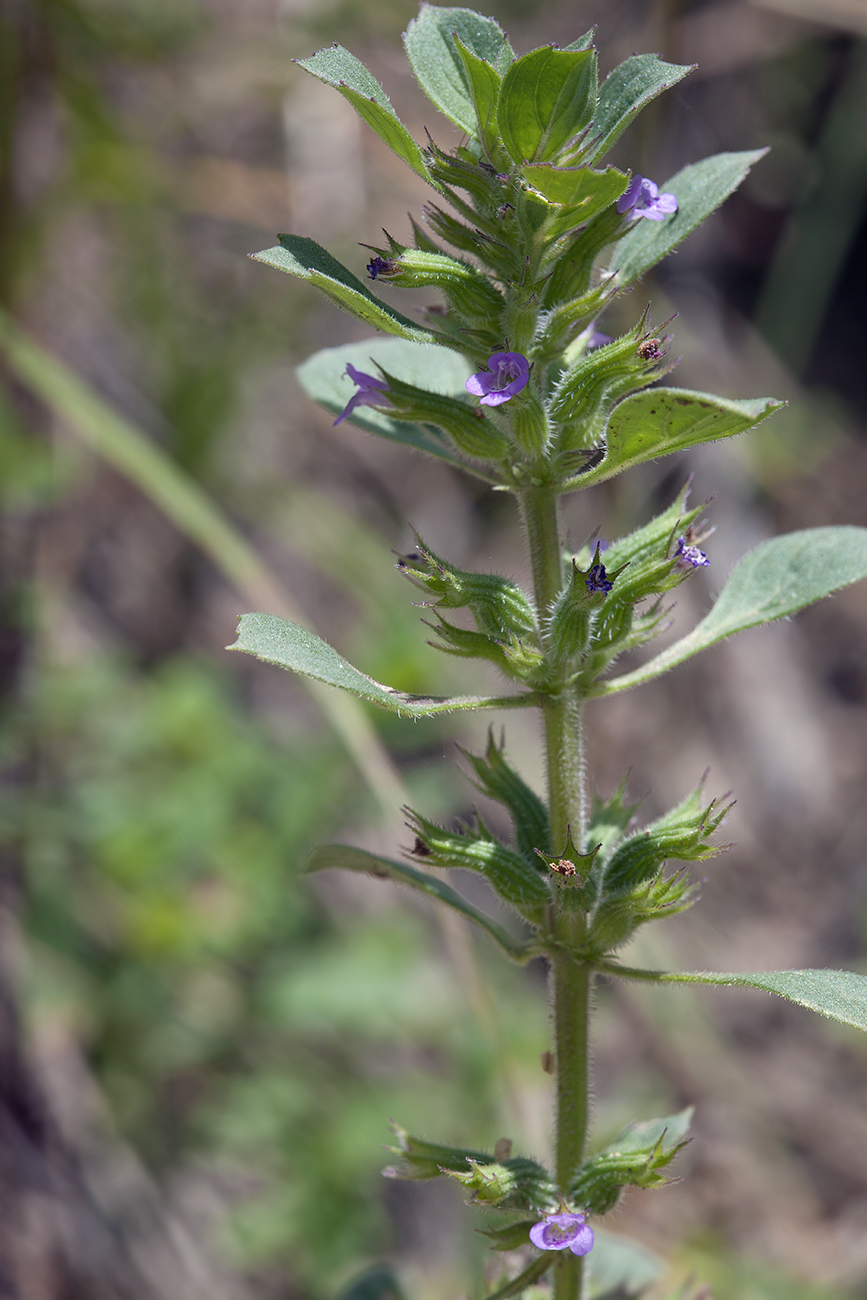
{"points": [[200, 1051]]}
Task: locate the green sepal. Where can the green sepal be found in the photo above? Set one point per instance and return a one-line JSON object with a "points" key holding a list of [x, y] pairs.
{"points": [[428, 1159], [558, 326], [467, 289], [573, 616], [546, 102], [493, 253], [498, 780], [576, 259], [437, 65], [609, 819], [634, 1159], [647, 425], [308, 260], [699, 189], [288, 645], [569, 870], [345, 858], [513, 657], [348, 75], [514, 1184], [477, 849], [500, 607], [683, 834], [625, 91], [586, 393], [472, 433]]}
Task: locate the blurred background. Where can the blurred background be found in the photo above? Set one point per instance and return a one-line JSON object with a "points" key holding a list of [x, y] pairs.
{"points": [[199, 1049]]}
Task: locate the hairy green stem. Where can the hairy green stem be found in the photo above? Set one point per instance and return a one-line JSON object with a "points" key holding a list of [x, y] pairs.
{"points": [[570, 980]]}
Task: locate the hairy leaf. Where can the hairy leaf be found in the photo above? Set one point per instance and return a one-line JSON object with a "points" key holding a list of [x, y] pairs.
{"points": [[288, 645], [308, 260], [337, 67], [438, 66], [660, 421], [627, 89], [776, 579]]}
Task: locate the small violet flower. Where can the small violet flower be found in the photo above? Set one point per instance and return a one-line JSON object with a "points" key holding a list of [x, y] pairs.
{"points": [[597, 579], [370, 390], [689, 556], [643, 199], [563, 1232], [508, 374]]}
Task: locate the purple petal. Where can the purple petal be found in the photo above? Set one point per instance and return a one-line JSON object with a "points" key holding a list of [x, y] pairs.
{"points": [[666, 203], [628, 197], [480, 384], [365, 381], [582, 1243]]}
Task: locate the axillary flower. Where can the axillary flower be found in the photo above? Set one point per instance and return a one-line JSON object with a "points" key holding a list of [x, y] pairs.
{"points": [[370, 392], [643, 199], [508, 374], [563, 1232]]}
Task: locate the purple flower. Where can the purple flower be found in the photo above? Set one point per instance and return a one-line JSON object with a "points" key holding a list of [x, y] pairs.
{"points": [[369, 392], [643, 199], [597, 579], [508, 374], [689, 556], [598, 340], [562, 1232]]}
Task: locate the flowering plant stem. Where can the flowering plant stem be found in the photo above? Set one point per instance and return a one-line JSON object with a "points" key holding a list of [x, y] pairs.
{"points": [[570, 978], [561, 405]]}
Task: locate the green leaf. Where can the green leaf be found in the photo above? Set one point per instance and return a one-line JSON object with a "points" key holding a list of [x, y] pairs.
{"points": [[699, 189], [546, 99], [620, 1269], [839, 995], [310, 261], [426, 365], [337, 67], [776, 579], [660, 421], [644, 1135], [288, 645], [438, 66], [484, 82], [346, 858], [631, 85], [580, 189]]}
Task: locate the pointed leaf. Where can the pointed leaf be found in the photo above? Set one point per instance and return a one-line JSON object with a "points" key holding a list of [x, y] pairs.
{"points": [[839, 995], [546, 100], [620, 1269], [310, 261], [337, 67], [346, 858], [583, 42], [484, 82], [774, 580], [699, 189], [631, 85], [438, 67], [426, 365], [660, 421], [288, 645]]}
